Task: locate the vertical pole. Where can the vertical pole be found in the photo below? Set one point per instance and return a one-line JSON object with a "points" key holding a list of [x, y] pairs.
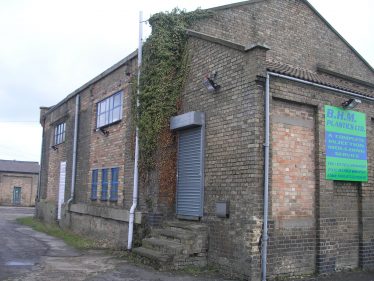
{"points": [[136, 170], [266, 179]]}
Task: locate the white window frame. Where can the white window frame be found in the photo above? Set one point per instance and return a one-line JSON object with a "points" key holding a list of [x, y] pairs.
{"points": [[109, 110], [59, 133]]}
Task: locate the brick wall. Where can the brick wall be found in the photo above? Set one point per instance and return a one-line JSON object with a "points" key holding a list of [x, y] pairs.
{"points": [[343, 210], [27, 182], [94, 151], [293, 235], [109, 151], [233, 150], [303, 40]]}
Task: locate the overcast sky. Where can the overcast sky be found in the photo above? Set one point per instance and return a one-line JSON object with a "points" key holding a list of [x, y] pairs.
{"points": [[50, 48]]}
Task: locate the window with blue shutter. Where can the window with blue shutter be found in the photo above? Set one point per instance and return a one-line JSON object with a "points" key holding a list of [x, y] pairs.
{"points": [[94, 184], [114, 185], [104, 184]]}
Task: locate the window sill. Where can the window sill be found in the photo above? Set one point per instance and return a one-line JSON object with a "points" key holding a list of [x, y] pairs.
{"points": [[107, 125]]}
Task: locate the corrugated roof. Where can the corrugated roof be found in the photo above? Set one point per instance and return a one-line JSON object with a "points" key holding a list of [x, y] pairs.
{"points": [[318, 78], [19, 166]]}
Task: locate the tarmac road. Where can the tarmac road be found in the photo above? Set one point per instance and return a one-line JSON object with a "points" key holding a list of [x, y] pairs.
{"points": [[27, 255]]}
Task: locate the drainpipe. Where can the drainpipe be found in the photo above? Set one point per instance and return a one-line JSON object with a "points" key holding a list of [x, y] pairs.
{"points": [[136, 170], [266, 179], [41, 164], [73, 169], [265, 236]]}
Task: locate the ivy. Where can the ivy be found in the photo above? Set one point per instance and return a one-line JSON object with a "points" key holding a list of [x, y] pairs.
{"points": [[163, 72]]}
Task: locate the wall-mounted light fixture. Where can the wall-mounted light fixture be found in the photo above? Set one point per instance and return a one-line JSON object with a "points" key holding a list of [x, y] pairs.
{"points": [[104, 132], [351, 103], [209, 82], [54, 147]]}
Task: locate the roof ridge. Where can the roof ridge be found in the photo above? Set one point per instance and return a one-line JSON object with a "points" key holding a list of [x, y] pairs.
{"points": [[338, 34]]}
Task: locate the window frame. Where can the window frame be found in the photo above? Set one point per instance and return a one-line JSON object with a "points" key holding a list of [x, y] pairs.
{"points": [[109, 110], [59, 133]]}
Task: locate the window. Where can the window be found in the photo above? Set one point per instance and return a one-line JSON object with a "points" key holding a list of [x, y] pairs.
{"points": [[114, 185], [94, 184], [59, 133], [104, 184], [109, 110]]}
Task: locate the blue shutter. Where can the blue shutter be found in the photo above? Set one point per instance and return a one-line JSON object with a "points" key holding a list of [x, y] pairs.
{"points": [[94, 185], [114, 185], [104, 184]]}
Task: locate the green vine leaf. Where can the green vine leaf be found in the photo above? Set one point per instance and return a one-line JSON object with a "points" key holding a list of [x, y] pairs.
{"points": [[163, 72]]}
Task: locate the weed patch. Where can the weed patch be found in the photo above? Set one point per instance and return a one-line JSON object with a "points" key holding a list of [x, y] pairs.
{"points": [[68, 237]]}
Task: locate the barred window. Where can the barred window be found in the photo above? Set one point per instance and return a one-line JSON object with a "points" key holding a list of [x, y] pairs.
{"points": [[59, 136], [109, 110]]}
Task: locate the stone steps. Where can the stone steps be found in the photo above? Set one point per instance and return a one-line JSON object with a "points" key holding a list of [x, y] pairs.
{"points": [[156, 258], [163, 246], [176, 245]]}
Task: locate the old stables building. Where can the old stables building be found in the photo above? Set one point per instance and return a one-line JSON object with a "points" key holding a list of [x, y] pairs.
{"points": [[274, 153], [18, 183]]}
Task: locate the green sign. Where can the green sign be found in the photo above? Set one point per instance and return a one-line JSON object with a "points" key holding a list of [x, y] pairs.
{"points": [[346, 149]]}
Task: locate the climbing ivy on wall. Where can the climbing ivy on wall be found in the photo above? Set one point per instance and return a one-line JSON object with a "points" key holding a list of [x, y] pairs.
{"points": [[164, 68]]}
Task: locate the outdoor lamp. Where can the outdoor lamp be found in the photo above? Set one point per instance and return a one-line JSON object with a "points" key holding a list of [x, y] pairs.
{"points": [[104, 132], [351, 103], [210, 84]]}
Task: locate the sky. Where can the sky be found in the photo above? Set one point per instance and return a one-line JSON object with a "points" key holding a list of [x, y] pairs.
{"points": [[50, 48]]}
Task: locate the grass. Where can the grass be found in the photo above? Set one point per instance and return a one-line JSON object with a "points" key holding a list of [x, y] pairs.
{"points": [[69, 238]]}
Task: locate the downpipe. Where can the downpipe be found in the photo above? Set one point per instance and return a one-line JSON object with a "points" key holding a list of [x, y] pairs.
{"points": [[264, 242], [136, 168], [75, 141]]}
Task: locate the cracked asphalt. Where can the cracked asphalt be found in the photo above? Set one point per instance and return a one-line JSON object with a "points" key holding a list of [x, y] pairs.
{"points": [[27, 255]]}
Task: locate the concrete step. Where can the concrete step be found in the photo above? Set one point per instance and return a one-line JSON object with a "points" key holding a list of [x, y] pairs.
{"points": [[164, 246], [177, 235], [186, 225], [153, 255]]}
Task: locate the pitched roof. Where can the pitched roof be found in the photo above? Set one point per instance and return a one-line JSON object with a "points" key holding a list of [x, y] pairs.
{"points": [[229, 6], [19, 166], [319, 78]]}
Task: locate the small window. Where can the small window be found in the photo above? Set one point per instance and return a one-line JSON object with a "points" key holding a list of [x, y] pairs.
{"points": [[109, 110], [114, 185], [94, 184], [59, 133], [104, 184]]}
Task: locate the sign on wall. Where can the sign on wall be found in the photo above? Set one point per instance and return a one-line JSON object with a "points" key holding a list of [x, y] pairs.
{"points": [[346, 149]]}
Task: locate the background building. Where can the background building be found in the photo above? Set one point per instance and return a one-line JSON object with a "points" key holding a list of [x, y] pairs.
{"points": [[18, 182]]}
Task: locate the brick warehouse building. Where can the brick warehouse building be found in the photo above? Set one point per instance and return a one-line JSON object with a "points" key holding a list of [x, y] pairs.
{"points": [[276, 123], [18, 182]]}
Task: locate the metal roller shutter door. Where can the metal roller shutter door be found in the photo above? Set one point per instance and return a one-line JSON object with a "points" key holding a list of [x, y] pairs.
{"points": [[189, 185]]}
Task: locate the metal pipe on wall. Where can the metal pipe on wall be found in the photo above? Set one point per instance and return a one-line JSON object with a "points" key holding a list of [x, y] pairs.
{"points": [[136, 170], [75, 141], [266, 179], [40, 166]]}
